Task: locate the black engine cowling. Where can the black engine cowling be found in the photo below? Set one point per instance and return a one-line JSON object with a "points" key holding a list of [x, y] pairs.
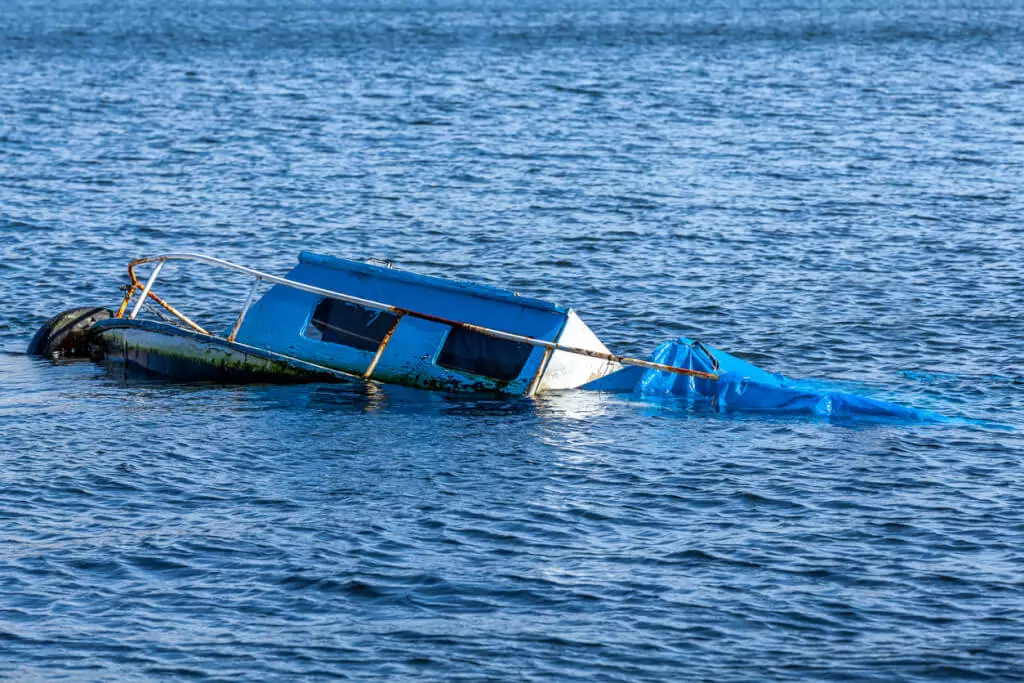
{"points": [[67, 334]]}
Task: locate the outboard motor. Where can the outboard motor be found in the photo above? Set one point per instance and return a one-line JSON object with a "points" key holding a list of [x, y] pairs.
{"points": [[68, 334]]}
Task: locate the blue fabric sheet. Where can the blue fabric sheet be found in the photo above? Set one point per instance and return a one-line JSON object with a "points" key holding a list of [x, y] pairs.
{"points": [[744, 387]]}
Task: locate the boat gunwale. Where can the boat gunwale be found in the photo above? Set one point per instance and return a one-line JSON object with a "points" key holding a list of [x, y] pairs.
{"points": [[474, 289]]}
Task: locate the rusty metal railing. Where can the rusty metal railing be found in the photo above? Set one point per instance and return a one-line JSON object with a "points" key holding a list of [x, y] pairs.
{"points": [[397, 311]]}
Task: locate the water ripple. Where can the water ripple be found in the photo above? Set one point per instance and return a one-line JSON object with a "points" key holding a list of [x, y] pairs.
{"points": [[829, 192]]}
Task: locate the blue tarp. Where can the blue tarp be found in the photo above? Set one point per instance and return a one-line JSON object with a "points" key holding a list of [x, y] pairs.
{"points": [[744, 387]]}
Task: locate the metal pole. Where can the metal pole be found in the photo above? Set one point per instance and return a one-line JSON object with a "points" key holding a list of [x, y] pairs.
{"points": [[552, 346], [145, 290], [380, 349], [245, 309], [128, 292]]}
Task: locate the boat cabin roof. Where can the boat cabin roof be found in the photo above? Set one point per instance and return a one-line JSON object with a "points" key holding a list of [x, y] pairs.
{"points": [[341, 274]]}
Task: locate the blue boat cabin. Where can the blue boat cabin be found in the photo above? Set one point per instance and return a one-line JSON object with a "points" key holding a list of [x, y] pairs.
{"points": [[408, 349]]}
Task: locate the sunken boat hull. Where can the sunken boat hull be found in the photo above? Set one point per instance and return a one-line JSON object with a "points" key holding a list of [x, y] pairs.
{"points": [[336, 320]]}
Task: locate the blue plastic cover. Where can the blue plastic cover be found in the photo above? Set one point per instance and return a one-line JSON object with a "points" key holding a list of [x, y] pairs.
{"points": [[744, 387]]}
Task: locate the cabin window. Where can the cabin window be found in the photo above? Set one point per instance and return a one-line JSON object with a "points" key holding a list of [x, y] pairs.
{"points": [[338, 322], [479, 354]]}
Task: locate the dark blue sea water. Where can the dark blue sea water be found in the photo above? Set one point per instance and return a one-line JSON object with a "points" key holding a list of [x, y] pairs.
{"points": [[833, 192]]}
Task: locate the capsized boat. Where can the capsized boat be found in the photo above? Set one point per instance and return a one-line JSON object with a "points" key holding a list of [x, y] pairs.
{"points": [[332, 319]]}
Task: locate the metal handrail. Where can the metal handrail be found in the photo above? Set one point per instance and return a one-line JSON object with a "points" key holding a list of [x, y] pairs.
{"points": [[358, 301]]}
